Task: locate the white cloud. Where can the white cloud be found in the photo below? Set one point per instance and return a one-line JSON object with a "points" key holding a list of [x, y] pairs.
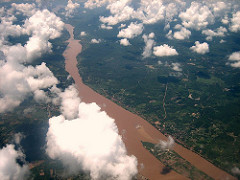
{"points": [[18, 81], [44, 24], [236, 171], [120, 12], [166, 145], [70, 8], [124, 42], [176, 67], [83, 33], [70, 102], [95, 41], [8, 29], [131, 31], [222, 41], [41, 96], [169, 35], [172, 10], [18, 137], [149, 45], [90, 4], [36, 47], [219, 7], [150, 11], [39, 77], [220, 32], [9, 168], [225, 20], [164, 50], [91, 143], [182, 34], [151, 35], [235, 23], [122, 26], [235, 58], [103, 26], [200, 48], [17, 84], [26, 9], [197, 16]]}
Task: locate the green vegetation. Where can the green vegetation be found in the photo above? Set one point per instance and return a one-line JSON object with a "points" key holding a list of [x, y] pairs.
{"points": [[173, 161], [202, 101]]}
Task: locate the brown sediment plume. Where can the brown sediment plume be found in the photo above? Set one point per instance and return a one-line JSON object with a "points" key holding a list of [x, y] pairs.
{"points": [[134, 127]]}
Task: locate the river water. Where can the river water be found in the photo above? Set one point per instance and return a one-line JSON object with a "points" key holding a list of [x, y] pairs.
{"points": [[133, 128]]}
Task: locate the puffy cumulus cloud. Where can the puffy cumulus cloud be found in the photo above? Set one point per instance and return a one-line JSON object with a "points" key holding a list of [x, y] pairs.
{"points": [[235, 58], [220, 32], [131, 31], [172, 9], [225, 20], [150, 11], [18, 137], [17, 84], [25, 9], [36, 47], [103, 26], [164, 50], [39, 77], [44, 24], [125, 42], [83, 33], [169, 35], [166, 145], [17, 80], [70, 102], [147, 52], [219, 6], [235, 23], [122, 26], [120, 12], [182, 34], [95, 41], [9, 168], [70, 8], [200, 48], [90, 4], [176, 67], [7, 28], [41, 27], [41, 96], [151, 35], [197, 16], [90, 143]]}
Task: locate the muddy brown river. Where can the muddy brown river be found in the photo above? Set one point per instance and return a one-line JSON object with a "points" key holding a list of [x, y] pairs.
{"points": [[127, 122]]}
